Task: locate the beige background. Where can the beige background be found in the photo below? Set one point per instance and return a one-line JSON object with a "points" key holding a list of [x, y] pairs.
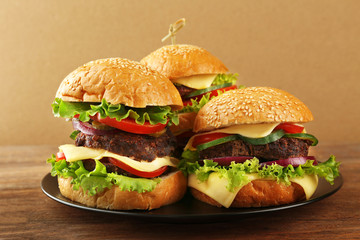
{"points": [[307, 47]]}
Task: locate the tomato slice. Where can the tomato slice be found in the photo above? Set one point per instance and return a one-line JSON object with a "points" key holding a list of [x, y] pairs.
{"points": [[290, 128], [214, 92], [60, 156], [129, 125], [187, 103], [131, 170], [201, 139]]}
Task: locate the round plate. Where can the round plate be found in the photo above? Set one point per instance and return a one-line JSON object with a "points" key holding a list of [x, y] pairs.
{"points": [[190, 209]]}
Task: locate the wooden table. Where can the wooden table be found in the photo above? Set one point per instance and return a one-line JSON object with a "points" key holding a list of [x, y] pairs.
{"points": [[27, 213]]}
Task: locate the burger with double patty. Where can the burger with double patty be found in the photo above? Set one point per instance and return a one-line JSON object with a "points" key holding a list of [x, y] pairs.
{"points": [[123, 152], [251, 150]]}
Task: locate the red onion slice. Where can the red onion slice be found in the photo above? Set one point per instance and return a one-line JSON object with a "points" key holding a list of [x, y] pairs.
{"points": [[295, 161], [88, 129]]}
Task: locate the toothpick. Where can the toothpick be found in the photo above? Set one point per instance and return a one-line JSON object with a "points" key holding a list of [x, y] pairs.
{"points": [[174, 28]]}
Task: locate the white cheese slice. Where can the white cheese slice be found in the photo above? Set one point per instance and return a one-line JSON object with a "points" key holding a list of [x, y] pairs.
{"points": [[196, 81], [215, 187], [74, 153], [247, 130]]}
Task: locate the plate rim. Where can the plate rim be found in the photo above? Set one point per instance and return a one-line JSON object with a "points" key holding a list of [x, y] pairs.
{"points": [[230, 212]]}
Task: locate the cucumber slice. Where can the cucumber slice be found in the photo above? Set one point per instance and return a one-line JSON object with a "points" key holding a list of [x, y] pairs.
{"points": [[216, 142], [254, 141], [306, 136], [205, 90], [272, 137]]}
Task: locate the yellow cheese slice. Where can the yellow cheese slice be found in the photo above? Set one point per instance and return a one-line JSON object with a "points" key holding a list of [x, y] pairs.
{"points": [[215, 187], [250, 130], [74, 153], [247, 130], [309, 184], [196, 81]]}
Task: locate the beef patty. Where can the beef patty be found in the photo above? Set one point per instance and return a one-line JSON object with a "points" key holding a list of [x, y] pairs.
{"points": [[281, 149], [183, 90], [136, 146]]}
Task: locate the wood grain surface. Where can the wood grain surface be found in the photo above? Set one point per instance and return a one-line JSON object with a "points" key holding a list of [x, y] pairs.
{"points": [[27, 213]]}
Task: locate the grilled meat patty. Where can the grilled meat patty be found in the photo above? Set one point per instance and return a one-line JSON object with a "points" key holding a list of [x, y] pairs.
{"points": [[280, 149], [184, 90], [136, 146]]}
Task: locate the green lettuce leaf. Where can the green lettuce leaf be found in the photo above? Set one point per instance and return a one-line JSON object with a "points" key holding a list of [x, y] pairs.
{"points": [[225, 78], [195, 105], [235, 173], [153, 114], [96, 181]]}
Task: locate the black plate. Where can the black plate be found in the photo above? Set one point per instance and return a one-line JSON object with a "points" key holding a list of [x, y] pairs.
{"points": [[189, 209]]}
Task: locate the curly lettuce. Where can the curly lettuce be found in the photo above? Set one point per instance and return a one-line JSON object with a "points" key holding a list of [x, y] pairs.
{"points": [[196, 105], [235, 173], [96, 181], [152, 114], [225, 78]]}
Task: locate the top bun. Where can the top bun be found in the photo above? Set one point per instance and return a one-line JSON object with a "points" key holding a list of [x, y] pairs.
{"points": [[119, 81], [250, 106], [175, 61]]}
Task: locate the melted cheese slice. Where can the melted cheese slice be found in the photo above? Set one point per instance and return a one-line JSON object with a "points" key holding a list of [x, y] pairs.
{"points": [[308, 183], [246, 130], [196, 81], [74, 153], [215, 187]]}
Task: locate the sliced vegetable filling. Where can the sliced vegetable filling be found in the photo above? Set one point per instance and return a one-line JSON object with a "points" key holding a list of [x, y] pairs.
{"points": [[147, 120], [204, 141]]}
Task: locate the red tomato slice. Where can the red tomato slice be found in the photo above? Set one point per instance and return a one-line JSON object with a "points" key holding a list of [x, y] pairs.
{"points": [[137, 172], [290, 128], [214, 92], [60, 156], [201, 139], [187, 103], [129, 125]]}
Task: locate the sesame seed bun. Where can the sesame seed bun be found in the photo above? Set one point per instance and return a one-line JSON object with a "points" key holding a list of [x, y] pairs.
{"points": [[250, 106], [176, 61], [119, 81]]}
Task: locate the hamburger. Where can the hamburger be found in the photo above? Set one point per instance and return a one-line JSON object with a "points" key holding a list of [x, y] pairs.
{"points": [[198, 76], [122, 157], [251, 150]]}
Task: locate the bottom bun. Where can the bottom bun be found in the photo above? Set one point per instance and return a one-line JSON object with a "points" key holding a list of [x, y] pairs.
{"points": [[259, 193], [171, 189]]}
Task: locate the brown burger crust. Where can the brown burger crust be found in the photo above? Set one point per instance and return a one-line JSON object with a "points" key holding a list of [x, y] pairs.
{"points": [[251, 106], [259, 193], [186, 123], [170, 190], [175, 61], [119, 81]]}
